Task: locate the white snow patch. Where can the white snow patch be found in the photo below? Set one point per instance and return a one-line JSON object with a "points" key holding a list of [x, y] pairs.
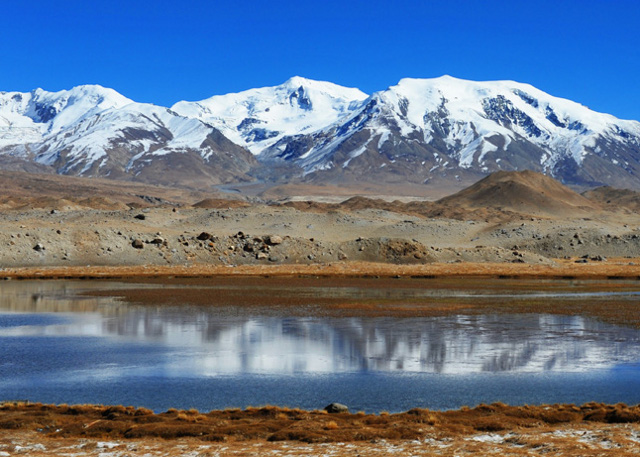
{"points": [[487, 438], [107, 444], [383, 138]]}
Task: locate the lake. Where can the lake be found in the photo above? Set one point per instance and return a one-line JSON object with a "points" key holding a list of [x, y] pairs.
{"points": [[61, 344]]}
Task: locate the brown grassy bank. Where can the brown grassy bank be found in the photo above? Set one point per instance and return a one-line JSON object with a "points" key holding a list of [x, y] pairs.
{"points": [[271, 423], [302, 289], [563, 268], [370, 297], [109, 431]]}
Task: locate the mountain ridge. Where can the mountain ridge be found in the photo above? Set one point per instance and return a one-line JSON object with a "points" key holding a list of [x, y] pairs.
{"points": [[419, 131]]}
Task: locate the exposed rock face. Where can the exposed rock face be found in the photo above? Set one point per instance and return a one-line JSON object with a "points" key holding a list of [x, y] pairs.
{"points": [[507, 217]]}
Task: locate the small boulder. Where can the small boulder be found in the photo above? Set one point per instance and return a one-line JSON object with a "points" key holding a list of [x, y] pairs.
{"points": [[261, 256], [342, 256], [137, 243], [204, 236], [334, 408], [273, 240], [141, 217], [38, 247]]}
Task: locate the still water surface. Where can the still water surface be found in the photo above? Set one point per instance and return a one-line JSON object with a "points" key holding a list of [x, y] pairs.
{"points": [[58, 347]]}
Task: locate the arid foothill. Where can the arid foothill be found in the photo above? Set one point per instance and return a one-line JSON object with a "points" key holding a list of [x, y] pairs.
{"points": [[507, 218]]}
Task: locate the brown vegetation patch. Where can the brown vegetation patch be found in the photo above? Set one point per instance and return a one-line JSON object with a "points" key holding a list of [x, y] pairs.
{"points": [[615, 268], [369, 297], [284, 424]]}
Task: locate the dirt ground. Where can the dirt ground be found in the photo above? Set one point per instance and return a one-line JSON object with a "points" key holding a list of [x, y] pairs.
{"points": [[61, 234]]}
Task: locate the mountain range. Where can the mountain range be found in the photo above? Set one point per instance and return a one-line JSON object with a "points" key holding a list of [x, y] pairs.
{"points": [[421, 131]]}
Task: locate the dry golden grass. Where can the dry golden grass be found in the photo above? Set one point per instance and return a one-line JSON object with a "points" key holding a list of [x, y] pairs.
{"points": [[83, 430], [563, 269], [271, 423]]}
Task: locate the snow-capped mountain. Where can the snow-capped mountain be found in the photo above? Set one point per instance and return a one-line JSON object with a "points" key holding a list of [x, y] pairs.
{"points": [[28, 117], [259, 118], [94, 131], [447, 127], [418, 131]]}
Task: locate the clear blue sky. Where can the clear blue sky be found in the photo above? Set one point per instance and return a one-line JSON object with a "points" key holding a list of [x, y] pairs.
{"points": [[162, 51]]}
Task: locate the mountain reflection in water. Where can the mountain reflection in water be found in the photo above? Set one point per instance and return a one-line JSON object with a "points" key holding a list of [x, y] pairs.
{"points": [[210, 343], [59, 346], [459, 344]]}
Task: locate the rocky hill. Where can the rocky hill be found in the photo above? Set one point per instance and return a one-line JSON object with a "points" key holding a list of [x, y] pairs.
{"points": [[614, 199], [525, 192]]}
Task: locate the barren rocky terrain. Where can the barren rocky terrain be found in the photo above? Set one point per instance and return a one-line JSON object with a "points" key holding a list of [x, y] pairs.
{"points": [[511, 218]]}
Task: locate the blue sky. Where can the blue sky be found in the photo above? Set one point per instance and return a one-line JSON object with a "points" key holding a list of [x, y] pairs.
{"points": [[163, 51]]}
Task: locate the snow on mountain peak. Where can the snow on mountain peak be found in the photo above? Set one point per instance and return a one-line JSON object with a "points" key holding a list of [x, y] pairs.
{"points": [[328, 88], [476, 111], [418, 127], [79, 103], [258, 118]]}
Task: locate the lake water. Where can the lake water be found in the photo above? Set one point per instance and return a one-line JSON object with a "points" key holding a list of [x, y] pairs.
{"points": [[60, 347]]}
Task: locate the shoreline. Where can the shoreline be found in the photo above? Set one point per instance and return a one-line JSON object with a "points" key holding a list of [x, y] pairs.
{"points": [[97, 430], [617, 268]]}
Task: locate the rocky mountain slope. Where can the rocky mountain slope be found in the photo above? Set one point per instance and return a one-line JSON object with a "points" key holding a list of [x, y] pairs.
{"points": [[93, 131], [450, 129], [420, 131]]}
